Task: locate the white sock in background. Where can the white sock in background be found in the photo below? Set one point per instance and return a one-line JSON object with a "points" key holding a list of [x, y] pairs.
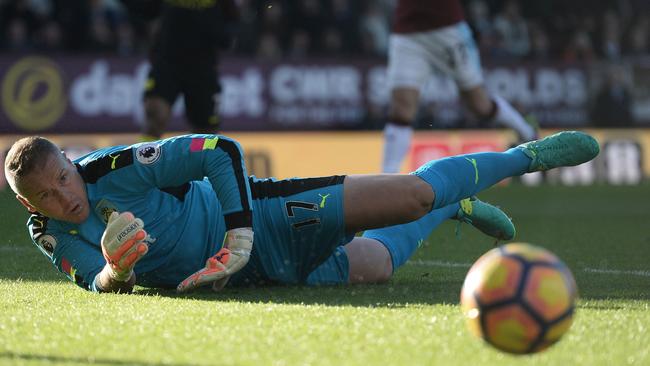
{"points": [[508, 116], [397, 141]]}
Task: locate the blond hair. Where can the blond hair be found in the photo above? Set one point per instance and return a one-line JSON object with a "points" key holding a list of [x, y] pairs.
{"points": [[25, 156]]}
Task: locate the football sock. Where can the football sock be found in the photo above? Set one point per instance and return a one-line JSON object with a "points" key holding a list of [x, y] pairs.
{"points": [[507, 115], [402, 240], [397, 141], [457, 177]]}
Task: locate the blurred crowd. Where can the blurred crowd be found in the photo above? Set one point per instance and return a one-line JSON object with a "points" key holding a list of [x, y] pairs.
{"points": [[506, 30]]}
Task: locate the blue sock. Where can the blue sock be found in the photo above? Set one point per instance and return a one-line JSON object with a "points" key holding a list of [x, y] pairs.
{"points": [[458, 177], [402, 240]]}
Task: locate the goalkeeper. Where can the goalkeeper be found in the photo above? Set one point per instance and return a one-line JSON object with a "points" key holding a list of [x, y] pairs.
{"points": [[182, 212]]}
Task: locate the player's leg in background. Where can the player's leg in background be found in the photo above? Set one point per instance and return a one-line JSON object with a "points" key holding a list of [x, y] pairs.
{"points": [[157, 115], [468, 74], [407, 71], [160, 91], [398, 131], [497, 109], [202, 92]]}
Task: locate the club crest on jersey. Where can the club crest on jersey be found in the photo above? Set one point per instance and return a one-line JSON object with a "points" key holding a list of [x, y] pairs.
{"points": [[104, 209], [47, 242], [148, 153]]}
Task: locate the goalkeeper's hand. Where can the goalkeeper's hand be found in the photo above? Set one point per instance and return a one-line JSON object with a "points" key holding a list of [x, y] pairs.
{"points": [[123, 244], [232, 257]]}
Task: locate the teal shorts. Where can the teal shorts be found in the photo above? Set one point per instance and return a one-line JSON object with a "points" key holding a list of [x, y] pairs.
{"points": [[299, 233]]}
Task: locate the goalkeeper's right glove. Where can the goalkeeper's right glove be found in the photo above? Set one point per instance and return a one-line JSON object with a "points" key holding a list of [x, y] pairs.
{"points": [[123, 244], [232, 257]]}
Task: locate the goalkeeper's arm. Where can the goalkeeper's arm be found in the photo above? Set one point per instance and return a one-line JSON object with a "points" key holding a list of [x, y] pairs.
{"points": [[122, 245]]}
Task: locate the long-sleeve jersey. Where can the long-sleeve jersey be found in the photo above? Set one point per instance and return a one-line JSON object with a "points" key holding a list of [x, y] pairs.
{"points": [[188, 191]]}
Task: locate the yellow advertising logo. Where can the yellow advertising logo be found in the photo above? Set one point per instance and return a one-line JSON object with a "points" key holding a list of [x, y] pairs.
{"points": [[33, 95]]}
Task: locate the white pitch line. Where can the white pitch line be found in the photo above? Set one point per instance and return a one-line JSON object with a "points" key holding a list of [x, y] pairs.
{"points": [[14, 249], [445, 264], [618, 272]]}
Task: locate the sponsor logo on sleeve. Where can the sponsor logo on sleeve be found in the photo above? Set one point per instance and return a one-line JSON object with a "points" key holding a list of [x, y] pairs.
{"points": [[47, 242], [104, 209], [148, 153]]}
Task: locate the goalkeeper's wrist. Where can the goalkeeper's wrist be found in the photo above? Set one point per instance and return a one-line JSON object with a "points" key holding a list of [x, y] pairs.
{"points": [[121, 276], [109, 280], [240, 239]]}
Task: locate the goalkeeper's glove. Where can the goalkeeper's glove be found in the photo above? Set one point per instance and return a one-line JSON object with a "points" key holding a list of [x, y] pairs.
{"points": [[232, 257], [123, 244]]}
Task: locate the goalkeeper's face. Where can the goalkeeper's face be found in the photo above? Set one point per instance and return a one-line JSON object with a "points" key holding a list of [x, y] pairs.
{"points": [[56, 190]]}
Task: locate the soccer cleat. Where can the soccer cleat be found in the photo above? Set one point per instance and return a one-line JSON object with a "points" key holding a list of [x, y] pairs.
{"points": [[490, 220], [567, 148]]}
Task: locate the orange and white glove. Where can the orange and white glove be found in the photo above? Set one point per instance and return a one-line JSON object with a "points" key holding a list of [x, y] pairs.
{"points": [[123, 244], [232, 257]]}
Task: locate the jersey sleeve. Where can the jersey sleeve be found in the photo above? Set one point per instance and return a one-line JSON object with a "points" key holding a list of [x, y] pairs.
{"points": [[78, 259], [175, 162]]}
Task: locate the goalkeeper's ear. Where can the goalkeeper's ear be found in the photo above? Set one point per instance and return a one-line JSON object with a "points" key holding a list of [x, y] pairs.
{"points": [[23, 201]]}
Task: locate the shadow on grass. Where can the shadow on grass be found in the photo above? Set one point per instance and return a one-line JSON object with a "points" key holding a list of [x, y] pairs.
{"points": [[15, 356], [615, 288], [410, 286], [394, 294]]}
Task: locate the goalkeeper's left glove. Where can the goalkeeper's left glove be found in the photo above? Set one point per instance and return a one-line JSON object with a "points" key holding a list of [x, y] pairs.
{"points": [[232, 257]]}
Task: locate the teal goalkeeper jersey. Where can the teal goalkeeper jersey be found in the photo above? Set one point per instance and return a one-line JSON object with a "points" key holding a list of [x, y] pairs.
{"points": [[188, 191]]}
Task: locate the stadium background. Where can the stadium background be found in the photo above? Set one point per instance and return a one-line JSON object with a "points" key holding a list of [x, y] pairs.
{"points": [[304, 93], [309, 77]]}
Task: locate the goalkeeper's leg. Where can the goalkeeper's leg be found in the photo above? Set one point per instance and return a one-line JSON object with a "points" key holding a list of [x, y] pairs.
{"points": [[375, 256], [375, 201]]}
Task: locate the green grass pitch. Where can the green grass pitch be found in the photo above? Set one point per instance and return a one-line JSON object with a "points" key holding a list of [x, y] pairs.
{"points": [[601, 232]]}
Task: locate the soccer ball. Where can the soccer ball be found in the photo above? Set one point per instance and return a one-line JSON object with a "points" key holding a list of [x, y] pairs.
{"points": [[519, 298]]}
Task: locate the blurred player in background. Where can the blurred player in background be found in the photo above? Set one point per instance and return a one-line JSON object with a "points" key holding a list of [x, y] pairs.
{"points": [[192, 194], [431, 34], [184, 60]]}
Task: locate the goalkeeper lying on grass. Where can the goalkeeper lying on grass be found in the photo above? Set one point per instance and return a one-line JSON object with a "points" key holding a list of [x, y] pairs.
{"points": [[183, 213]]}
